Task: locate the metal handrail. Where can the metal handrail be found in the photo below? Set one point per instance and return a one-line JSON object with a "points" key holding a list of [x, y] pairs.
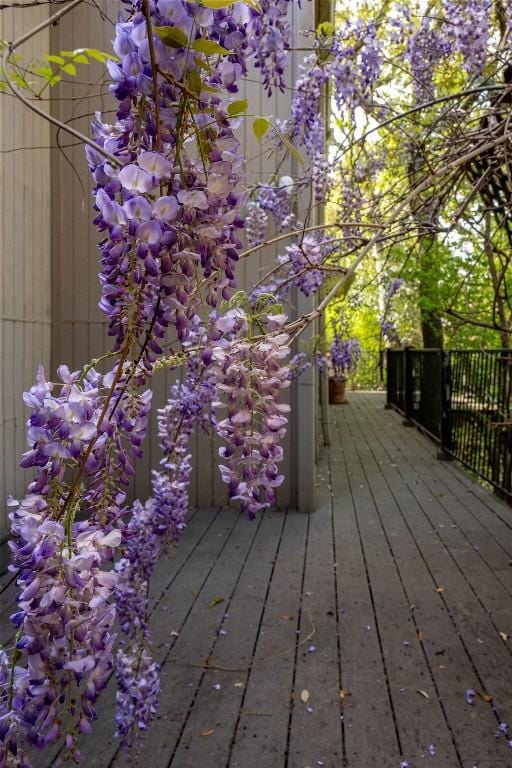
{"points": [[463, 399]]}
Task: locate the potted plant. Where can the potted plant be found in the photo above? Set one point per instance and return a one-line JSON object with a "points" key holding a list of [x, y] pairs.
{"points": [[344, 356]]}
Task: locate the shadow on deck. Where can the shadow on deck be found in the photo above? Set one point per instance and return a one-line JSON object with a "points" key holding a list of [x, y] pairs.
{"points": [[345, 638]]}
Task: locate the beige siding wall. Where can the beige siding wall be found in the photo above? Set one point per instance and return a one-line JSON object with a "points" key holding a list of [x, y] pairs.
{"points": [[71, 319], [25, 269]]}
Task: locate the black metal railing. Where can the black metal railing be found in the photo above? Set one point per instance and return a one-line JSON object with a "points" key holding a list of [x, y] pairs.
{"points": [[463, 399]]}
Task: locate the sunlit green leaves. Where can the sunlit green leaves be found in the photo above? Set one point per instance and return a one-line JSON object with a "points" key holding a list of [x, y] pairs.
{"points": [[325, 29], [51, 67], [69, 69], [194, 82], [237, 107], [209, 47], [94, 53], [173, 37], [217, 5], [260, 127]]}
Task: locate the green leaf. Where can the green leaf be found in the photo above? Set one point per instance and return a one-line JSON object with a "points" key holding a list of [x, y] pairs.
{"points": [[289, 146], [260, 126], [325, 28], [194, 82], [216, 601], [217, 4], [43, 71], [56, 59], [54, 80], [237, 107], [80, 59], [172, 36], [69, 69], [209, 47], [94, 53], [19, 80]]}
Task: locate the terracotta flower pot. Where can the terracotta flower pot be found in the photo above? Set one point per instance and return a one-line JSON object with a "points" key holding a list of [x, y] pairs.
{"points": [[337, 392]]}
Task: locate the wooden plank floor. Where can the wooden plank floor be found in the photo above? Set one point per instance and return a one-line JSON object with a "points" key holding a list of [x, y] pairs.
{"points": [[396, 592]]}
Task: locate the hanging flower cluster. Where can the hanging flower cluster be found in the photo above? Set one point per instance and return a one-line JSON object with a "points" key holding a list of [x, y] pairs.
{"points": [[168, 210], [302, 362], [301, 258], [345, 354], [255, 224], [270, 33], [426, 47], [468, 22], [357, 63], [251, 375], [162, 519], [276, 200], [65, 617]]}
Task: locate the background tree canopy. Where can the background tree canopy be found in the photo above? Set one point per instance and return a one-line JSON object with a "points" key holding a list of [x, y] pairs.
{"points": [[420, 89]]}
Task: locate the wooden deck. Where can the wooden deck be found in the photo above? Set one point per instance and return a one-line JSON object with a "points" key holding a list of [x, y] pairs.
{"points": [[396, 592]]}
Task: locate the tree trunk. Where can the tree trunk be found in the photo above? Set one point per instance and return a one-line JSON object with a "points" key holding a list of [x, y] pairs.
{"points": [[425, 216], [431, 325]]}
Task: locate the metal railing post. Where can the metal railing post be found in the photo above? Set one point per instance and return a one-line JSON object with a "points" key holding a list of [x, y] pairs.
{"points": [[446, 408], [408, 395], [391, 374]]}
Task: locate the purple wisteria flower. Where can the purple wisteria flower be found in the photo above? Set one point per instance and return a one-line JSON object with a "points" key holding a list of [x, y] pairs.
{"points": [[426, 47], [270, 35], [162, 519], [255, 224], [169, 211], [468, 22], [251, 376], [387, 324], [65, 614], [137, 696], [301, 258], [301, 362], [169, 218], [344, 354], [276, 199]]}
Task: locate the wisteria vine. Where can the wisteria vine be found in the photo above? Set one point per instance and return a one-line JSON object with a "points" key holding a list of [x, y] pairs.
{"points": [[169, 202], [166, 176]]}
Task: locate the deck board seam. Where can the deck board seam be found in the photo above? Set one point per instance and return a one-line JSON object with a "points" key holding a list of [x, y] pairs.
{"points": [[374, 609], [189, 611], [461, 530], [255, 646], [214, 642], [450, 614], [297, 642], [408, 598], [337, 609]]}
